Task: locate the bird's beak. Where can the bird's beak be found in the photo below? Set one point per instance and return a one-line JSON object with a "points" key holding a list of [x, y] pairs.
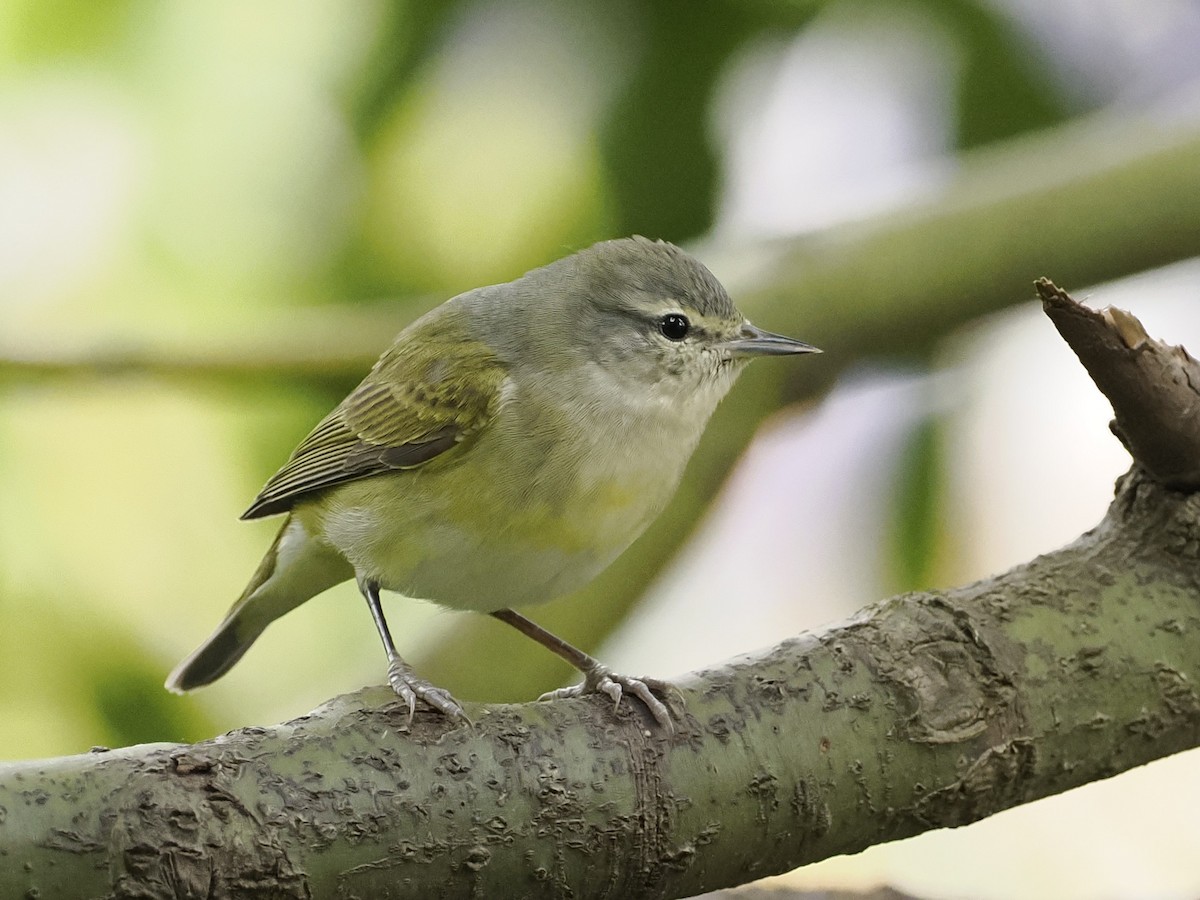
{"points": [[753, 341]]}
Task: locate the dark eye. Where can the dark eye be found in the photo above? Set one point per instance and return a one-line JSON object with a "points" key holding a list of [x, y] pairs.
{"points": [[674, 326]]}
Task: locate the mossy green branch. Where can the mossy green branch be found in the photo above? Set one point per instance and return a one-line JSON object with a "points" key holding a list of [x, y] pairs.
{"points": [[926, 711]]}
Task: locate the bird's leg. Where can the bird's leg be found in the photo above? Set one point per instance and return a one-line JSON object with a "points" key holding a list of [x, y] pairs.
{"points": [[597, 677], [407, 685]]}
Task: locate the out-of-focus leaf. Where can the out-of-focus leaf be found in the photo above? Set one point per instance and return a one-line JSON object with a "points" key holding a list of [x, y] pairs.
{"points": [[37, 30], [409, 34], [132, 706], [916, 508], [1001, 91], [662, 166]]}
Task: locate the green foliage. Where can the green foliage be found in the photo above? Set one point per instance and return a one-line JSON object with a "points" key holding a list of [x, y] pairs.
{"points": [[662, 167], [33, 32], [916, 509], [132, 706], [1001, 91]]}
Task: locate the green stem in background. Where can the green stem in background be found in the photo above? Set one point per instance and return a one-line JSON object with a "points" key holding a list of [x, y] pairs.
{"points": [[1089, 201]]}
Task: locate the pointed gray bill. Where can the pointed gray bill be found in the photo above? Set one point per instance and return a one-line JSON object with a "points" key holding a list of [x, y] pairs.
{"points": [[753, 341]]}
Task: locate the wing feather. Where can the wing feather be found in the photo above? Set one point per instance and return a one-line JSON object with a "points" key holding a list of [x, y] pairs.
{"points": [[428, 393]]}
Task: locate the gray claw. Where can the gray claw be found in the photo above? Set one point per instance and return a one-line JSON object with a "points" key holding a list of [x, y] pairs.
{"points": [[614, 686], [441, 700], [409, 687], [398, 679], [610, 687]]}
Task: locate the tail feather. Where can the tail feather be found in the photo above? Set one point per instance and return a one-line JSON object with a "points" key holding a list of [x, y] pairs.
{"points": [[295, 568], [214, 657]]}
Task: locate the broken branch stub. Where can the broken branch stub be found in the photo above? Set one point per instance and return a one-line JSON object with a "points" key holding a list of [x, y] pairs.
{"points": [[1154, 388]]}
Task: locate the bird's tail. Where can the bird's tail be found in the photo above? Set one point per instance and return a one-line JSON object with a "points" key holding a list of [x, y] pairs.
{"points": [[295, 569]]}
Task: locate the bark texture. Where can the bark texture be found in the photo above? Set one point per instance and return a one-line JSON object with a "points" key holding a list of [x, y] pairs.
{"points": [[927, 710]]}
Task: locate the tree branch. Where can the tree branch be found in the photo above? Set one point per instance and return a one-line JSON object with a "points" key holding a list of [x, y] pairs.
{"points": [[1154, 388], [927, 710]]}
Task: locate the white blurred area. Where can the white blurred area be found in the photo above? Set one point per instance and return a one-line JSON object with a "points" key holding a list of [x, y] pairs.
{"points": [[1118, 52], [1030, 463], [849, 119]]}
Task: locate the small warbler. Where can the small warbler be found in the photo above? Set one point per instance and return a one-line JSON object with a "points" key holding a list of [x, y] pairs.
{"points": [[507, 447]]}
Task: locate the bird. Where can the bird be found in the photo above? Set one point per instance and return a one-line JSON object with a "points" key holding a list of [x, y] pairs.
{"points": [[504, 450]]}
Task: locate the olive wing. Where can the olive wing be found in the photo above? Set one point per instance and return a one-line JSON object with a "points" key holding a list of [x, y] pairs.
{"points": [[426, 395]]}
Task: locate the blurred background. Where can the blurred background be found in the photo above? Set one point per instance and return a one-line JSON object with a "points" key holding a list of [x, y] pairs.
{"points": [[215, 214]]}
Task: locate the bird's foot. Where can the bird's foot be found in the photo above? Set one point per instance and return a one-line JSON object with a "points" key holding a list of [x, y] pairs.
{"points": [[409, 687], [601, 679]]}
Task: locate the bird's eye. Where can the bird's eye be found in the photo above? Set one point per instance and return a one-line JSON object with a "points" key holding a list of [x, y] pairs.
{"points": [[674, 326]]}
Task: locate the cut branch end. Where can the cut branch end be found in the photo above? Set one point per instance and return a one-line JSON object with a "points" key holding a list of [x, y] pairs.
{"points": [[1154, 387]]}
